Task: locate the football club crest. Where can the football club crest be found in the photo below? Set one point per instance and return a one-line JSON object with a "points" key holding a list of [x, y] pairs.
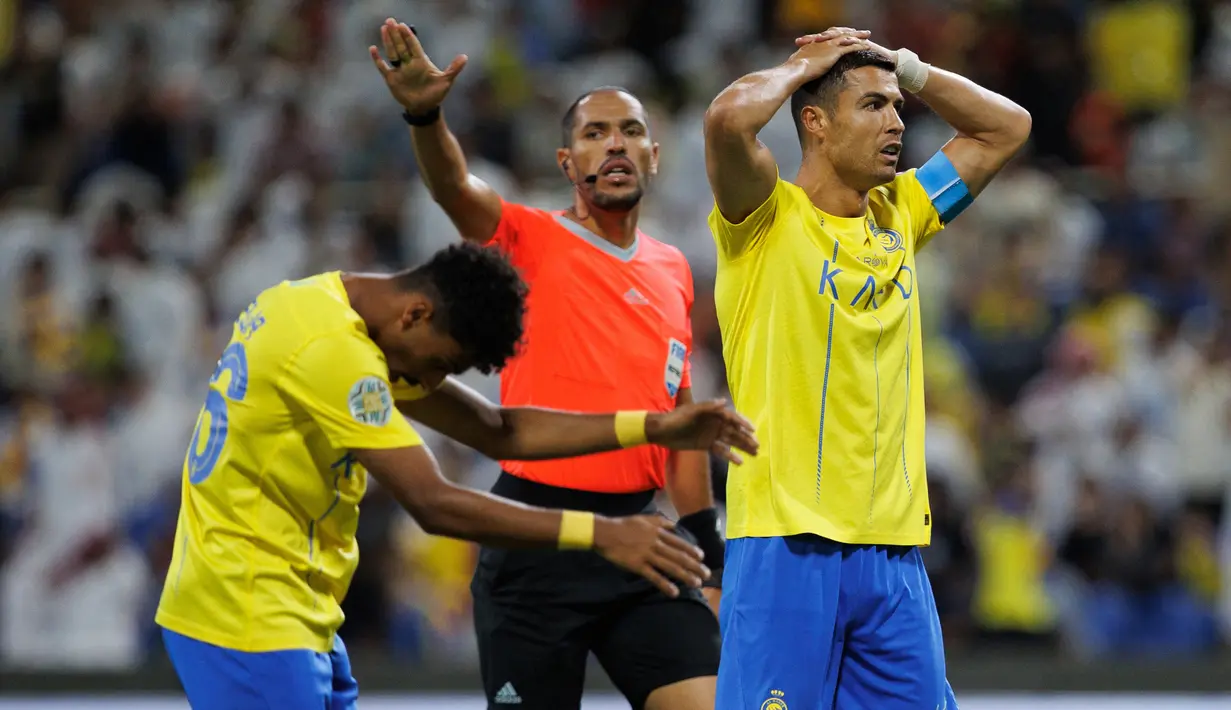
{"points": [[370, 401], [775, 701], [891, 240], [677, 354]]}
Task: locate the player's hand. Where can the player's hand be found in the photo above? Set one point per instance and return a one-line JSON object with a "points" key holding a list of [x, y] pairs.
{"points": [[818, 53], [413, 80], [645, 544], [832, 33], [837, 31], [704, 426]]}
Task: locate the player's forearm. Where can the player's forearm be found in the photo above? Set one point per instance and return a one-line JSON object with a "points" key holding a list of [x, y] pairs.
{"points": [[975, 112], [514, 433], [454, 511], [411, 475], [532, 434], [750, 102]]}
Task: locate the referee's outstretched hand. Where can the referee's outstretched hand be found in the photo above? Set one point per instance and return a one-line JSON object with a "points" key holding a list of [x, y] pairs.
{"points": [[413, 80], [704, 426], [647, 545]]}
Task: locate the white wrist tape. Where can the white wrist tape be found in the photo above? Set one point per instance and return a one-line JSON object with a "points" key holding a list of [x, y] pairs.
{"points": [[912, 73]]}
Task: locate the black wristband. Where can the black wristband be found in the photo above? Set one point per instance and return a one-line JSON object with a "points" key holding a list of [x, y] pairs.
{"points": [[422, 119], [703, 525]]}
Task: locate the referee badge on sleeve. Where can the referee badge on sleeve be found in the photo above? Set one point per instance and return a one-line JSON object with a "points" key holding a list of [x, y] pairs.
{"points": [[674, 373], [370, 401]]}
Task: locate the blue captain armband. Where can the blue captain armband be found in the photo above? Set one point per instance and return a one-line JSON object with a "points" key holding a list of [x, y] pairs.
{"points": [[949, 195]]}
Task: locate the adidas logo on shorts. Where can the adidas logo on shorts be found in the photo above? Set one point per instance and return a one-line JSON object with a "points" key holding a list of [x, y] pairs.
{"points": [[507, 695]]}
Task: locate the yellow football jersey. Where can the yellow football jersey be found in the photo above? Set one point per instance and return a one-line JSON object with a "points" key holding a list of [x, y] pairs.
{"points": [[821, 337], [265, 546]]}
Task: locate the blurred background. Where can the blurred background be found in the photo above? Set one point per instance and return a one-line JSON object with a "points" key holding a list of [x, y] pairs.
{"points": [[162, 161]]}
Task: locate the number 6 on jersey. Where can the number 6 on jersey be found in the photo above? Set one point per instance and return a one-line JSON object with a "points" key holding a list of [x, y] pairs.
{"points": [[203, 458]]}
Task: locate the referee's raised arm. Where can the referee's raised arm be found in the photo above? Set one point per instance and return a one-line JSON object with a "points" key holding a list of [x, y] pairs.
{"points": [[420, 87]]}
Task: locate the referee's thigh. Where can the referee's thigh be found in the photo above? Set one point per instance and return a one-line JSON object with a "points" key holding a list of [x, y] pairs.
{"points": [[533, 643], [528, 658], [655, 641]]}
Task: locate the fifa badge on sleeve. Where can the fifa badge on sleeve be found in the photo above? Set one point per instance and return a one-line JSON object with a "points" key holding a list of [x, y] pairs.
{"points": [[677, 354]]}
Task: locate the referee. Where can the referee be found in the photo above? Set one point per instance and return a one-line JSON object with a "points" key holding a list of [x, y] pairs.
{"points": [[608, 327]]}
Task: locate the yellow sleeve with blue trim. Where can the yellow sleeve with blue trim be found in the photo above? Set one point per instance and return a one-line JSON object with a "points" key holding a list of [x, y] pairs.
{"points": [[936, 195], [734, 239], [343, 383]]}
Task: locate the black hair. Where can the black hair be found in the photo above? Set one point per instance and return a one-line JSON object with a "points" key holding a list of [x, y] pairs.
{"points": [[823, 91], [570, 115], [479, 298]]}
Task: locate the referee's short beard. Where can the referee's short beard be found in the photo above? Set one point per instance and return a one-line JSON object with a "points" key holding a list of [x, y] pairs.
{"points": [[624, 202]]}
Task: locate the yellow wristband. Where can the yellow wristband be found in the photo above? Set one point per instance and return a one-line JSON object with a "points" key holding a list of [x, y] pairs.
{"points": [[630, 428], [576, 530]]}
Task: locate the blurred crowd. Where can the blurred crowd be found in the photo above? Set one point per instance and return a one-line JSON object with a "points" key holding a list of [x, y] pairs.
{"points": [[161, 161]]}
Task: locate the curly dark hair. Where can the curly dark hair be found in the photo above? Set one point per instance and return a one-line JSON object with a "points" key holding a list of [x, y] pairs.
{"points": [[480, 301]]}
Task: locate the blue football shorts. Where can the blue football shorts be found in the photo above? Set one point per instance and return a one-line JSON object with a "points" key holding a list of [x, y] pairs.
{"points": [[216, 678], [808, 623]]}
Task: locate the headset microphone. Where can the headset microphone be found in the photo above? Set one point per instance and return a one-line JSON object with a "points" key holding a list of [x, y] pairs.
{"points": [[589, 180]]}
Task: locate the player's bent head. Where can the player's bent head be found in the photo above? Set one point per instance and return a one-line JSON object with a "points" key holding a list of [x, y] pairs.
{"points": [[467, 313], [606, 149], [849, 117]]}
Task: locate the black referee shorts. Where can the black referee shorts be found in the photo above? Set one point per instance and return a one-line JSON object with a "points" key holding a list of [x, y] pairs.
{"points": [[539, 614]]}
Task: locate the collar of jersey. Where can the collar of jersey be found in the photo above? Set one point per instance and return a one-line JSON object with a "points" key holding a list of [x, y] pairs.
{"points": [[623, 254], [846, 225]]}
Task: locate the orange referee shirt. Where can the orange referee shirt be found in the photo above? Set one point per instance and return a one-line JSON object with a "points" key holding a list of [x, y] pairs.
{"points": [[606, 329]]}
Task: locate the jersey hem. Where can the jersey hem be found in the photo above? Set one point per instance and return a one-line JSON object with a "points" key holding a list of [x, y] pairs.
{"points": [[907, 540], [267, 643], [515, 471]]}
